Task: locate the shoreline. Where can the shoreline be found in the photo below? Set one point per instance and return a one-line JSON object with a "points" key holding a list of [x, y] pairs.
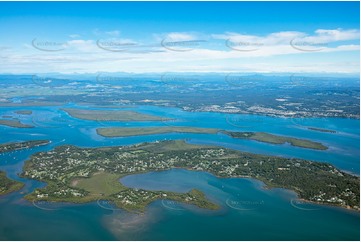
{"points": [[264, 186]]}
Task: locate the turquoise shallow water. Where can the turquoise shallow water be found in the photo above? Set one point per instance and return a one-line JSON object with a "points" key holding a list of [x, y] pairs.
{"points": [[248, 212]]}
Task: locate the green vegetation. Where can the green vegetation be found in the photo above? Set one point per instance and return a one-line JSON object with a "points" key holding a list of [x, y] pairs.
{"points": [[138, 199], [125, 132], [7, 185], [100, 183], [14, 123], [258, 136], [103, 185], [276, 139], [321, 130], [87, 174], [111, 115], [22, 145], [24, 112]]}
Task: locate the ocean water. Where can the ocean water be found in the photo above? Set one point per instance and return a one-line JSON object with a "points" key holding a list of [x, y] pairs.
{"points": [[248, 211]]}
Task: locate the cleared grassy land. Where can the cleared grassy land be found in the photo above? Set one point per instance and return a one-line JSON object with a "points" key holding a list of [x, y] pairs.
{"points": [[275, 139], [125, 132], [14, 124], [172, 145], [100, 183], [111, 115]]}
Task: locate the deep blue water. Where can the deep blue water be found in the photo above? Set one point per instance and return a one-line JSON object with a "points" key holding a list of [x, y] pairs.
{"points": [[248, 212]]}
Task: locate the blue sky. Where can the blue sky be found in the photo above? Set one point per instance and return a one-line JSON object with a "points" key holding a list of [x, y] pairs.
{"points": [[138, 37]]}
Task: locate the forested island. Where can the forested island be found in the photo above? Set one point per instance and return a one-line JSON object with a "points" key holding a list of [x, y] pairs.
{"points": [[24, 112], [14, 123], [257, 136], [276, 139], [111, 115], [76, 174], [126, 132], [322, 130]]}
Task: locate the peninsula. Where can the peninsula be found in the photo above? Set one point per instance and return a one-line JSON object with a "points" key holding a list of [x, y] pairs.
{"points": [[22, 145], [7, 185]]}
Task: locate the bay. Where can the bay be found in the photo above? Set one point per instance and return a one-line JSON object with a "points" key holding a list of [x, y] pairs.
{"points": [[248, 211]]}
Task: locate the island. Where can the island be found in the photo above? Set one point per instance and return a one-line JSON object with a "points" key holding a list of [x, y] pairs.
{"points": [[125, 132], [8, 147], [276, 139], [258, 136], [8, 185], [111, 115], [24, 112], [14, 123], [80, 175], [322, 130]]}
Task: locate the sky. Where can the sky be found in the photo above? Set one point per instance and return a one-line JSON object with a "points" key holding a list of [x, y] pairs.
{"points": [[144, 37]]}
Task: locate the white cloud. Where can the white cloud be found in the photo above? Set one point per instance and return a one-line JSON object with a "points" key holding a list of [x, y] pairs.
{"points": [[74, 36], [279, 38], [81, 45], [271, 39], [326, 35], [113, 33], [85, 55], [180, 36]]}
